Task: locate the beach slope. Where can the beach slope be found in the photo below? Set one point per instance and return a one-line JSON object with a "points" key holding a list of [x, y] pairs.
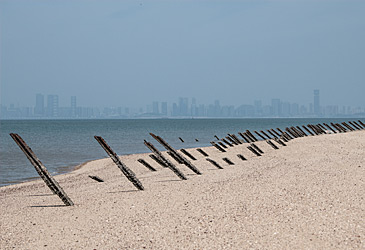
{"points": [[307, 195]]}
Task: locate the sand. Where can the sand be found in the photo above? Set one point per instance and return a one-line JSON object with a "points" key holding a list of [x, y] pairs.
{"points": [[307, 195]]}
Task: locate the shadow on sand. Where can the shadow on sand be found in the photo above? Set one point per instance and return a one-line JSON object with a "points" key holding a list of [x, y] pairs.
{"points": [[50, 206]]}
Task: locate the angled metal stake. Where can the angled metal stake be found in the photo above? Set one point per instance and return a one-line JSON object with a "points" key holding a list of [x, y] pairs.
{"points": [[125, 170], [42, 170], [165, 161], [173, 151]]}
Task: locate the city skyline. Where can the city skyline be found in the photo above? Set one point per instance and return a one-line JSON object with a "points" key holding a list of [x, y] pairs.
{"points": [[47, 106]]}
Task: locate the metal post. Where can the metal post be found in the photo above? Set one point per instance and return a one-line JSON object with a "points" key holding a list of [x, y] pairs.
{"points": [[125, 170], [42, 170], [171, 149], [165, 161]]}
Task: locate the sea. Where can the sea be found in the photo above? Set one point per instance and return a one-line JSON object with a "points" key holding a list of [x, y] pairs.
{"points": [[61, 145]]}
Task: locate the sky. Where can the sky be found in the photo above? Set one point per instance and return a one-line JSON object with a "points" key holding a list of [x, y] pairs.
{"points": [[131, 53]]}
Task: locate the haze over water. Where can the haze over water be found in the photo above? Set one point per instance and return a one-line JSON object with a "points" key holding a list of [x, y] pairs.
{"points": [[136, 53], [131, 53]]}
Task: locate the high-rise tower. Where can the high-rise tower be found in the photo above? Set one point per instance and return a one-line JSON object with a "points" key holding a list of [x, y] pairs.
{"points": [[164, 108], [73, 106], [39, 105], [316, 107], [52, 105], [183, 106], [155, 108], [276, 107]]}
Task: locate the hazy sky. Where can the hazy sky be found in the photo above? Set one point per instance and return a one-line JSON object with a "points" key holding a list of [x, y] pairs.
{"points": [[130, 53]]}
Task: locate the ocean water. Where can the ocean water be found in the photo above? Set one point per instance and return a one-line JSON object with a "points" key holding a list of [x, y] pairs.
{"points": [[63, 144]]}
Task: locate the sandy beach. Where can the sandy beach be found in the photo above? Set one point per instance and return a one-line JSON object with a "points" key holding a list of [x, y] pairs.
{"points": [[309, 194]]}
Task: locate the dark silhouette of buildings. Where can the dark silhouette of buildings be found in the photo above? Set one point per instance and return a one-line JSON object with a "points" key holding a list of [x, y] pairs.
{"points": [[316, 105], [73, 106], [52, 105], [182, 109], [39, 105]]}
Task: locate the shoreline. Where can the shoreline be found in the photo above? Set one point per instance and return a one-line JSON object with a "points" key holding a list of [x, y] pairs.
{"points": [[80, 166], [308, 194], [73, 169], [59, 157], [76, 168], [35, 178]]}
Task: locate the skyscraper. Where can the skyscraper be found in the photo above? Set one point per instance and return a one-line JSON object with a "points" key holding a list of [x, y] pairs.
{"points": [[175, 110], [193, 108], [52, 105], [39, 105], [294, 109], [316, 107], [164, 108], [217, 108], [258, 107], [155, 108], [73, 106], [276, 107], [183, 106], [285, 109]]}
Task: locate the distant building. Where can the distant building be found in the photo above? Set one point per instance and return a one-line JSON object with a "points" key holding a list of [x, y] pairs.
{"points": [[49, 108], [246, 111], [258, 107], [311, 108], [73, 106], [316, 105], [331, 111], [267, 110], [211, 110], [39, 105], [194, 108], [294, 109], [343, 110], [202, 110], [183, 106], [155, 108], [164, 108], [217, 108], [227, 111], [285, 109], [303, 110], [52, 105], [276, 107], [175, 110]]}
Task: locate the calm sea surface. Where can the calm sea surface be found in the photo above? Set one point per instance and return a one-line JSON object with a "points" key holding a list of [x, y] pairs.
{"points": [[64, 144]]}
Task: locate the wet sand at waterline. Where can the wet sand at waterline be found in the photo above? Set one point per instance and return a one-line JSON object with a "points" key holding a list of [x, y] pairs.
{"points": [[307, 195]]}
